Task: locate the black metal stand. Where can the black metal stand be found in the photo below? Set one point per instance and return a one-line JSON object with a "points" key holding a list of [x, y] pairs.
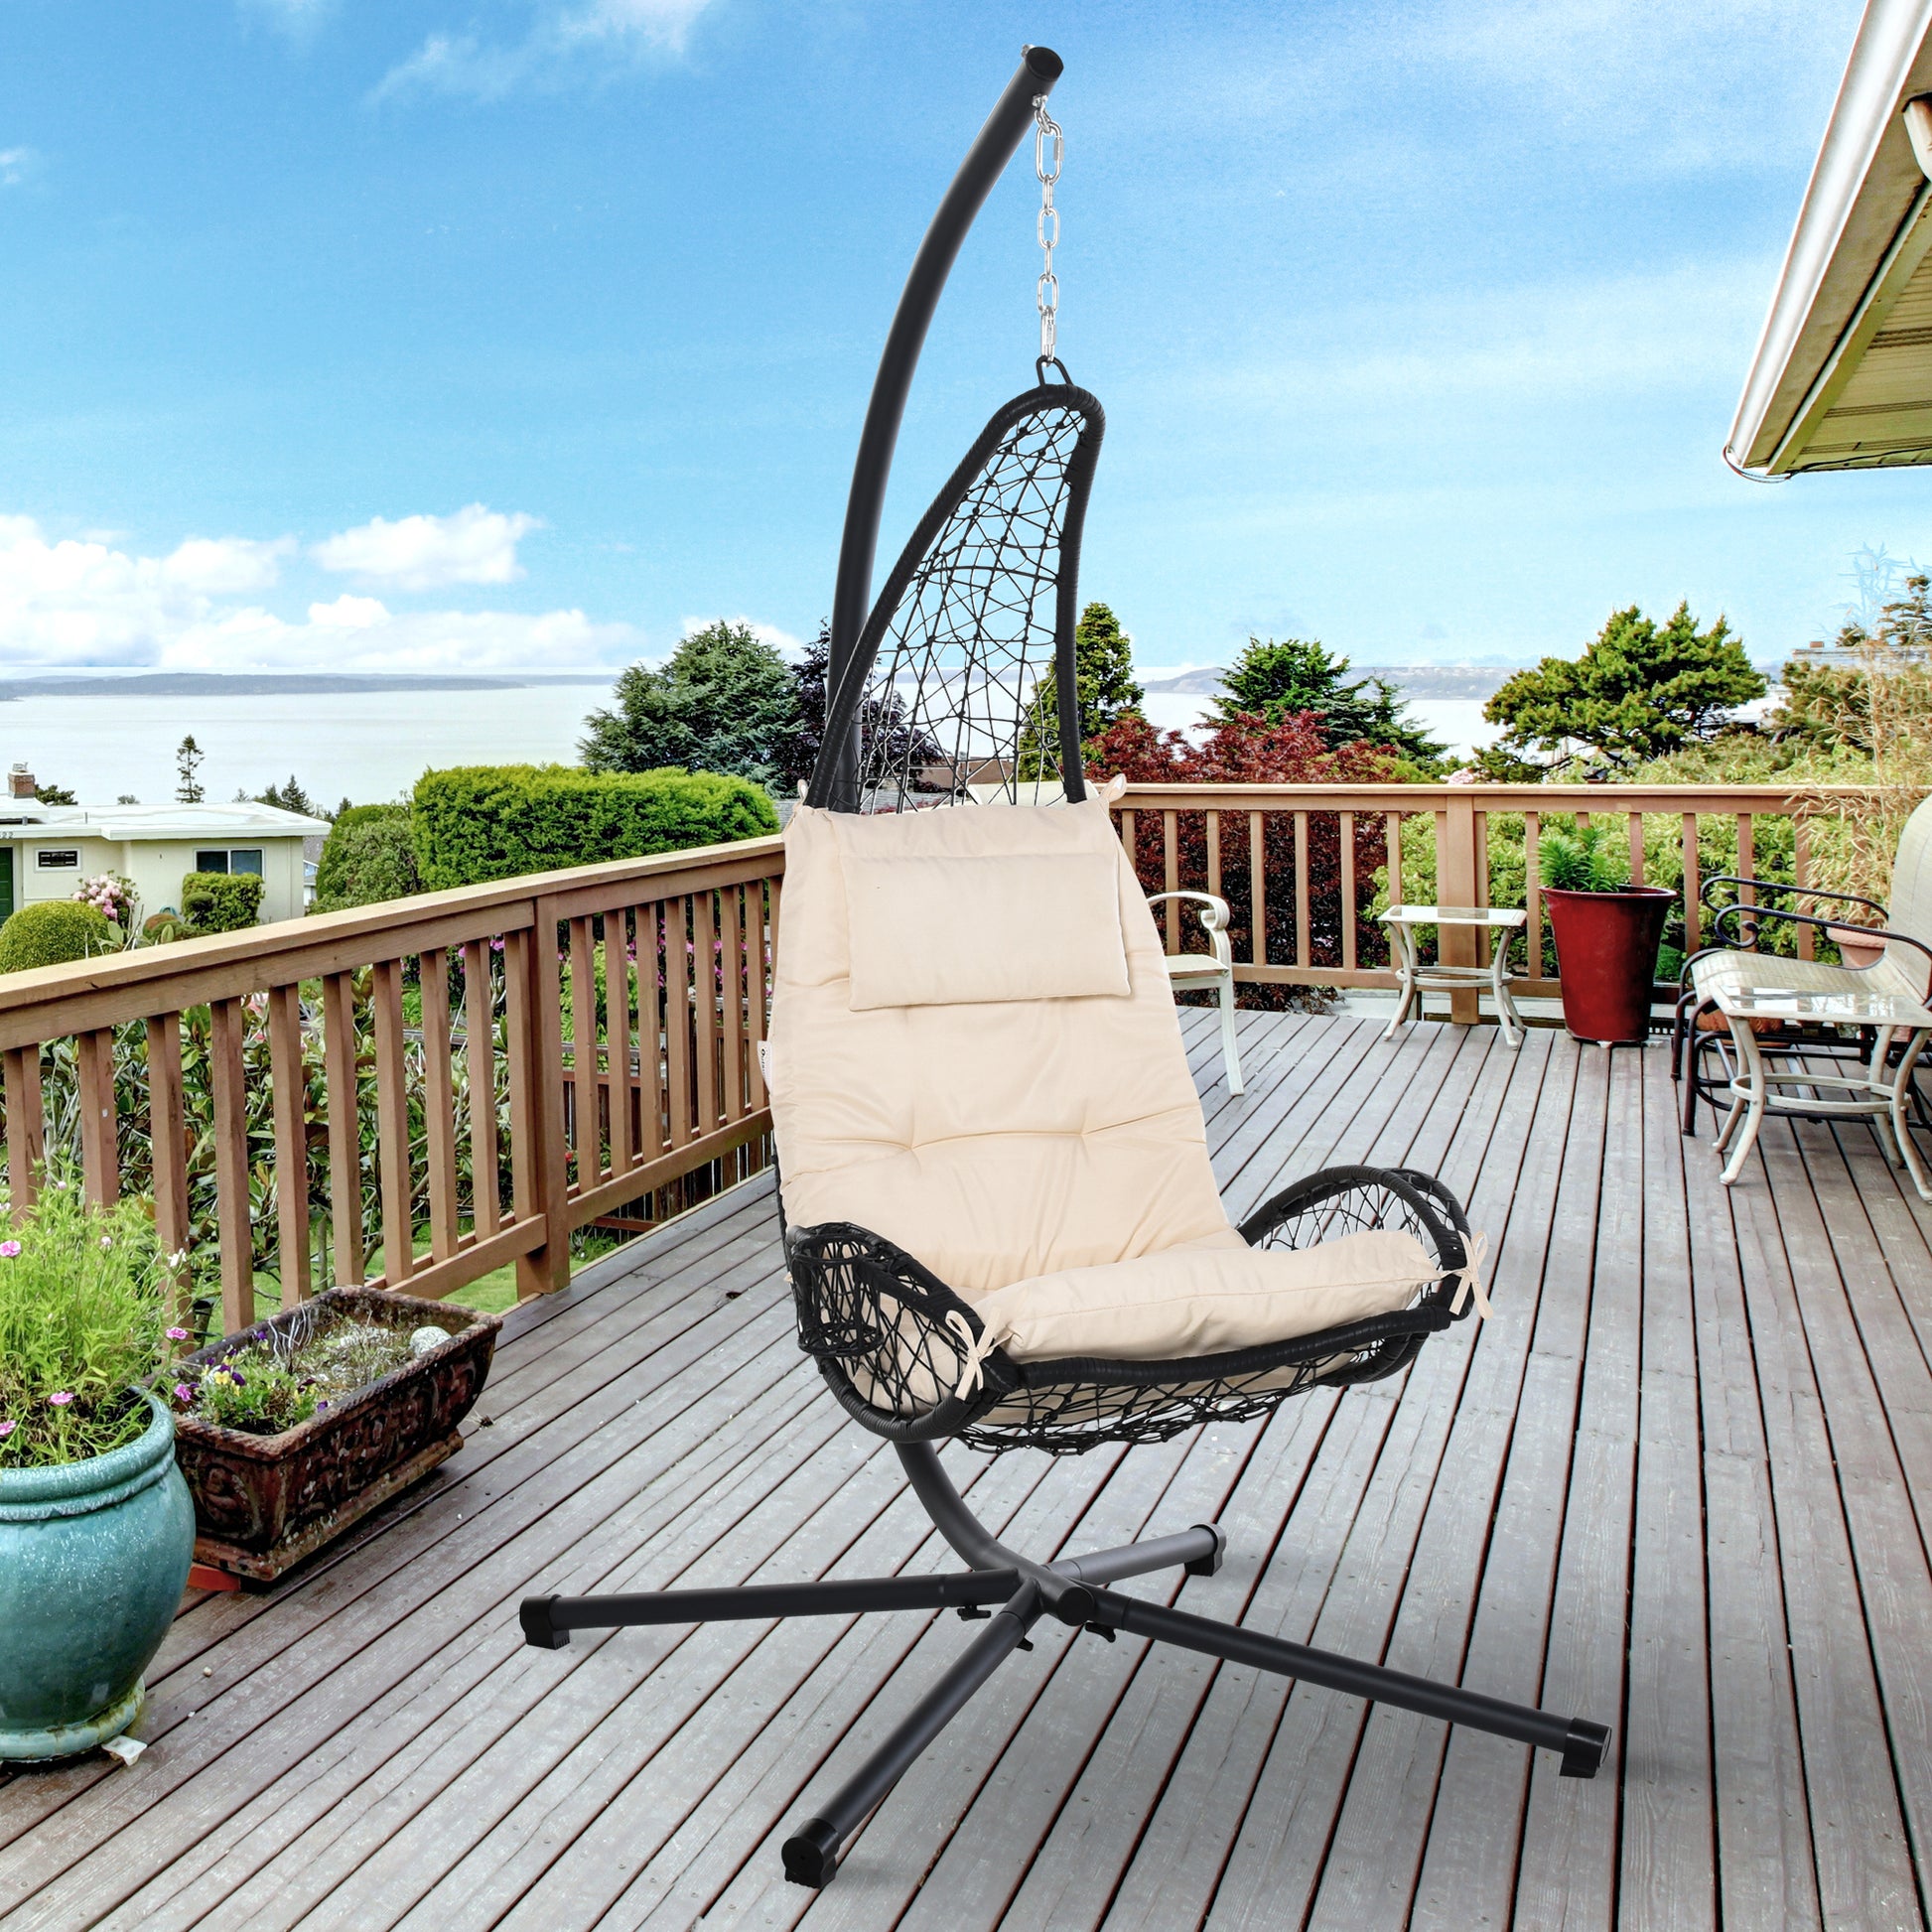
{"points": [[1073, 1591]]}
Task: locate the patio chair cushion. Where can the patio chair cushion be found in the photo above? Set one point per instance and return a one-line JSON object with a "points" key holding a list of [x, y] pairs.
{"points": [[998, 1140], [1736, 972], [1205, 1297]]}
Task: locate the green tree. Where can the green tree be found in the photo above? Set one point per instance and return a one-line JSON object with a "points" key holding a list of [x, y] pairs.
{"points": [[188, 789], [369, 856], [55, 795], [1103, 676], [724, 702], [1276, 680], [290, 797], [1641, 690]]}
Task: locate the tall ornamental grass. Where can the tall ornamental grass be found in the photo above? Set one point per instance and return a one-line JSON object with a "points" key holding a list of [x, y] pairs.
{"points": [[84, 1319]]}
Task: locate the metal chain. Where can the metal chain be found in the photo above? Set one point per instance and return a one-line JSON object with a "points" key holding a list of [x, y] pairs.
{"points": [[1046, 295]]}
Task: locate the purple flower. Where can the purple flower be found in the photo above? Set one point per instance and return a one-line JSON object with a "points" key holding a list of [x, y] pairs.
{"points": [[9, 1249], [7, 1427], [61, 1398], [184, 1392], [176, 1334]]}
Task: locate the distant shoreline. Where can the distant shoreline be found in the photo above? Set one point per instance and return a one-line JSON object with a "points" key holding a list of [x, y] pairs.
{"points": [[249, 684]]}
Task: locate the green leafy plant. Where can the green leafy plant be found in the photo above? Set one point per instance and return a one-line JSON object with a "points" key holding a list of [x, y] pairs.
{"points": [[497, 822], [1587, 860], [369, 856], [52, 931], [251, 1391], [84, 1319], [221, 901]]}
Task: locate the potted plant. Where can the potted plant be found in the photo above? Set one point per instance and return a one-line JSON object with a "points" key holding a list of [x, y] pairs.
{"points": [[1607, 931], [96, 1529], [296, 1427]]}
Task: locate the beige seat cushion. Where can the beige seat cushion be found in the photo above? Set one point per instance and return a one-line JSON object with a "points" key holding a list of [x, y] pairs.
{"points": [[1206, 1299]]}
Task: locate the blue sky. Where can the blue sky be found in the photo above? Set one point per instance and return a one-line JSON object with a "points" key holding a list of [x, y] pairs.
{"points": [[507, 334]]}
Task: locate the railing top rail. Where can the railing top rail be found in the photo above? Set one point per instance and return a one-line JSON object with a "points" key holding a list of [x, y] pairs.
{"points": [[190, 971], [1491, 797]]}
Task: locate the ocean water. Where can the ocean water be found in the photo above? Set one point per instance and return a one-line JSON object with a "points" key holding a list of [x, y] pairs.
{"points": [[366, 746], [373, 746]]}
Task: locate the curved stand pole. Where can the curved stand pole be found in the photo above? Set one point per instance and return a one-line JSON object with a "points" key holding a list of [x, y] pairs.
{"points": [[985, 161]]}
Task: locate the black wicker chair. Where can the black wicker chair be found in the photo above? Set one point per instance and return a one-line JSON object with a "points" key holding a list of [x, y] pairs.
{"points": [[937, 697]]}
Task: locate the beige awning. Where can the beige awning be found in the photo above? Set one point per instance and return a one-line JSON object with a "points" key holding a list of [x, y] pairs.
{"points": [[1842, 375]]}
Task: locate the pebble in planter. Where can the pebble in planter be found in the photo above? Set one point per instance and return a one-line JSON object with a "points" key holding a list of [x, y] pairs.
{"points": [[96, 1529], [1607, 932]]}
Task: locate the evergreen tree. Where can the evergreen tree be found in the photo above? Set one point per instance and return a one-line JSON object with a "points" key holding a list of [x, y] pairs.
{"points": [[188, 789], [1103, 676], [1274, 680], [907, 747], [290, 797], [55, 795], [1639, 691], [723, 702]]}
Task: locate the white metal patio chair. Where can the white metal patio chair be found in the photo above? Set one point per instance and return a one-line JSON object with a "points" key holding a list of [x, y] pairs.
{"points": [[1209, 972]]}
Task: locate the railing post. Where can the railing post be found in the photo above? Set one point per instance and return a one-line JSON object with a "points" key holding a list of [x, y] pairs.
{"points": [[1457, 885], [545, 1268]]}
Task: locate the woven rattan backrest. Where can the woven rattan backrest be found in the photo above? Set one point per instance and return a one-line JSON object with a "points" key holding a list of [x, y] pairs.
{"points": [[981, 607]]}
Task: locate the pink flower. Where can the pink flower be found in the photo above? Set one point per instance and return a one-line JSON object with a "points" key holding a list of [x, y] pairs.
{"points": [[176, 1334], [7, 1428], [184, 1392], [9, 1249], [61, 1398]]}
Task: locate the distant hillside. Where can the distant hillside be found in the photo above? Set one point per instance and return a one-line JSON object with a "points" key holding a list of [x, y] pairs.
{"points": [[251, 684]]}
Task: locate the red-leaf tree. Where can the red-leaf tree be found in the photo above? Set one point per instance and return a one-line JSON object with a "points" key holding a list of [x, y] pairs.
{"points": [[1249, 750]]}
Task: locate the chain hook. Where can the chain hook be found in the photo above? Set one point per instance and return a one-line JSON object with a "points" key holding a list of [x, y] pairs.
{"points": [[1047, 292]]}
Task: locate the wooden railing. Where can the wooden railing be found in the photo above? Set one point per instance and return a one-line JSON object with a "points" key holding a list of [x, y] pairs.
{"points": [[1299, 863], [417, 1094], [274, 1092]]}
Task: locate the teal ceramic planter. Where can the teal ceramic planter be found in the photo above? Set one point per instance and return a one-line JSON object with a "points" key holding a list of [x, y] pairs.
{"points": [[94, 1558]]}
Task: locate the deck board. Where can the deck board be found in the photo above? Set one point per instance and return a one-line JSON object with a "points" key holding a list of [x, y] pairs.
{"points": [[1682, 1481]]}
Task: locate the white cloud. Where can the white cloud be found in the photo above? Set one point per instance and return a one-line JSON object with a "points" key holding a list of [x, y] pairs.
{"points": [[227, 566], [16, 164], [78, 603], [564, 44], [424, 553]]}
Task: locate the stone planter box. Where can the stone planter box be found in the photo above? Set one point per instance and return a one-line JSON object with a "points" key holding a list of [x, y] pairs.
{"points": [[264, 1503]]}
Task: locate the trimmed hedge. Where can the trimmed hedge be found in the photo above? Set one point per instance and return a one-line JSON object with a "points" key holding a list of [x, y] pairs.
{"points": [[221, 901], [480, 822], [369, 856], [52, 931]]}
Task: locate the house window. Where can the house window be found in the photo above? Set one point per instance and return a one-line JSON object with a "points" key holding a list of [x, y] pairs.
{"points": [[240, 858], [58, 858]]}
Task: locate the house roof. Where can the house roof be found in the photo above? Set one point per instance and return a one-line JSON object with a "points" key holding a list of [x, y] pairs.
{"points": [[1842, 375], [27, 818]]}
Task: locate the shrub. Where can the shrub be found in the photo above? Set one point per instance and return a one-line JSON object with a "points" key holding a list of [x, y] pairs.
{"points": [[113, 897], [1587, 860], [497, 822], [52, 931], [83, 1294], [221, 901], [369, 856]]}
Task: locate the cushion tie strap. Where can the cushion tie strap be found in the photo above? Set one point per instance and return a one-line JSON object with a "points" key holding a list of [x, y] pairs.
{"points": [[973, 1353], [1471, 1283]]}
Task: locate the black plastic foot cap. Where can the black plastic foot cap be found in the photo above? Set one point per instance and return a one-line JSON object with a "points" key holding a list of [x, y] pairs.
{"points": [[1584, 1749], [1208, 1566], [813, 1854], [535, 1616]]}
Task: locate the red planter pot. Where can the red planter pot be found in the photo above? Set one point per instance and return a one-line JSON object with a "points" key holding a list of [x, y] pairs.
{"points": [[1607, 958]]}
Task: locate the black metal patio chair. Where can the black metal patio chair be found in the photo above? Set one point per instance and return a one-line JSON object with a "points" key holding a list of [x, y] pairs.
{"points": [[999, 1216]]}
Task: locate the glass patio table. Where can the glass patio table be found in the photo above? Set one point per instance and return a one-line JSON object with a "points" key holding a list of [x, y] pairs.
{"points": [[1416, 978], [1877, 1092]]}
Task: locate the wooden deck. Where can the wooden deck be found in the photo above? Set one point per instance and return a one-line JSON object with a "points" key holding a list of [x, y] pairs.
{"points": [[1680, 1483]]}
